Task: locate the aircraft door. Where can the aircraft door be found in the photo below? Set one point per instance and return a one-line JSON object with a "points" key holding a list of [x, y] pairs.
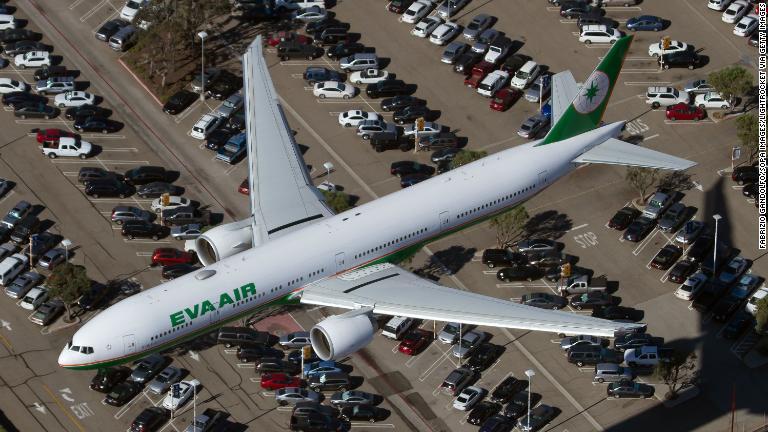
{"points": [[340, 264], [444, 220], [129, 344]]}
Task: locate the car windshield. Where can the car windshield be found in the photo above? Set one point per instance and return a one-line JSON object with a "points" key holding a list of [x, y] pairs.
{"points": [[522, 75], [133, 4], [465, 343]]}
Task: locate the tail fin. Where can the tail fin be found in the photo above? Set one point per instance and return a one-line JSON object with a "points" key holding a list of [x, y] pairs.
{"points": [[587, 109]]}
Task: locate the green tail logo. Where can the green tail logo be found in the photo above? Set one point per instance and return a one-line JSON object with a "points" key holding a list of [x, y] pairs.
{"points": [[587, 109]]}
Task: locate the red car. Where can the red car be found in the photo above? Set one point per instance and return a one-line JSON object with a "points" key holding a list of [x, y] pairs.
{"points": [[414, 341], [170, 256], [504, 98], [244, 188], [52, 135], [283, 36], [683, 111], [276, 381]]}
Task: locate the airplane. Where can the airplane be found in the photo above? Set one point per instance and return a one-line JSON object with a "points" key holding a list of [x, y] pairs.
{"points": [[295, 250]]}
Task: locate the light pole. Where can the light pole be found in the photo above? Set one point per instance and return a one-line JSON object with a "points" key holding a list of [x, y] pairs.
{"points": [[717, 218], [32, 238], [529, 373], [202, 35]]}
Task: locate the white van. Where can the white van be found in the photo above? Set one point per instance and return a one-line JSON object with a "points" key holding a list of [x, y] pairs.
{"points": [[11, 267], [205, 126], [525, 75], [7, 22], [396, 327]]}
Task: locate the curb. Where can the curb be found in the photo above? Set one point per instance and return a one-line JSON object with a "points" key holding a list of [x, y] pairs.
{"points": [[63, 326], [141, 83]]}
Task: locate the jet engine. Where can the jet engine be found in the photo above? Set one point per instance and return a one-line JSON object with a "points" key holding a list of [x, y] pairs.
{"points": [[338, 336], [224, 241]]}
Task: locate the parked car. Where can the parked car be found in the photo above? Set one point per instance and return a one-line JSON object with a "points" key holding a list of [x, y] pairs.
{"points": [[468, 343], [351, 398], [179, 101], [109, 29], [85, 111], [591, 300], [164, 380], [645, 23], [453, 51], [122, 393], [74, 99], [544, 301], [276, 381], [414, 342], [34, 298], [518, 273], [333, 89], [47, 312], [96, 124], [711, 100], [151, 419], [468, 398], [386, 88], [107, 378], [738, 324], [505, 98], [147, 368], [444, 33], [629, 389], [681, 270], [690, 232], [295, 340], [138, 228], [174, 271], [638, 229], [683, 111], [314, 74], [363, 412], [417, 11], [52, 258], [734, 269], [746, 26], [354, 117], [399, 102], [482, 411], [35, 110], [484, 356], [621, 220], [506, 389], [688, 59], [569, 342], [533, 126], [108, 187], [477, 25], [186, 389], [21, 285], [657, 49], [539, 417], [667, 256]]}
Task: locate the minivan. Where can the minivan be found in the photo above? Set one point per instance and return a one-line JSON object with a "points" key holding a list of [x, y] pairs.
{"points": [[237, 336], [612, 372], [205, 126], [11, 267], [525, 75], [396, 327], [123, 39], [26, 227], [7, 22], [359, 61]]}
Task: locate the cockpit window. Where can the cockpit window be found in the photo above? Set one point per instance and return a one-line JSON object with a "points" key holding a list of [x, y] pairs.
{"points": [[74, 348], [86, 350]]}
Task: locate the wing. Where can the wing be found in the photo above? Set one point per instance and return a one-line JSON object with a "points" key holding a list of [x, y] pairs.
{"points": [[283, 196], [390, 290], [564, 89], [618, 152]]}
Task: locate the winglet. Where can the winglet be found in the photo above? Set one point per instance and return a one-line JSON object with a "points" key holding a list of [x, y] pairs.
{"points": [[587, 109]]}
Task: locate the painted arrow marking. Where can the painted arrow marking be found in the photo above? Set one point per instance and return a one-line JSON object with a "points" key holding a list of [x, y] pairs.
{"points": [[65, 392], [698, 186], [6, 325], [195, 356], [39, 407]]}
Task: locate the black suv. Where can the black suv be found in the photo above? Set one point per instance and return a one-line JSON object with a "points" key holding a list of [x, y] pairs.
{"points": [[292, 50], [439, 140], [319, 26], [145, 174], [224, 86], [108, 187], [239, 336], [344, 49], [685, 58], [331, 36], [15, 99], [133, 229], [744, 174], [46, 72], [381, 141], [107, 378], [393, 87], [254, 353]]}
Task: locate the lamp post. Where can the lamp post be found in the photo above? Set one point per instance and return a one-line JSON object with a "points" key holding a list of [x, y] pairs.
{"points": [[529, 373], [202, 35], [717, 218], [32, 238]]}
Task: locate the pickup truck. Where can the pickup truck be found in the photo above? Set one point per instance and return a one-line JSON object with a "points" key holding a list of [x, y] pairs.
{"points": [[184, 215], [67, 147], [583, 284], [204, 422], [233, 150], [368, 76], [657, 205], [647, 356], [479, 71], [502, 258]]}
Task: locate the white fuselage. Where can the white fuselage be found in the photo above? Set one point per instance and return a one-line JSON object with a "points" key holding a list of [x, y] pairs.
{"points": [[170, 313]]}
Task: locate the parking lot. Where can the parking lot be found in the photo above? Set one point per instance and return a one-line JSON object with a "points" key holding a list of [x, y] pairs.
{"points": [[37, 395]]}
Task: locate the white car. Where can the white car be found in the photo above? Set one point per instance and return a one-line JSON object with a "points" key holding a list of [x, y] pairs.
{"points": [[354, 117], [34, 298], [426, 26], [718, 5], [492, 83], [310, 14], [32, 59], [207, 124], [7, 22], [131, 8], [735, 12], [468, 398], [333, 89], [655, 50], [746, 26], [751, 305], [599, 33], [711, 100], [444, 32], [73, 99], [430, 128], [173, 202], [187, 389], [8, 85], [525, 75], [417, 11], [688, 289], [368, 76]]}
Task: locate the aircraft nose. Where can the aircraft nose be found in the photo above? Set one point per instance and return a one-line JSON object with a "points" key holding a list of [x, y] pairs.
{"points": [[65, 357]]}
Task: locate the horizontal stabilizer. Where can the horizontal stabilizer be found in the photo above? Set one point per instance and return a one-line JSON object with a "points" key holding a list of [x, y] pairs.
{"points": [[617, 152], [564, 89]]}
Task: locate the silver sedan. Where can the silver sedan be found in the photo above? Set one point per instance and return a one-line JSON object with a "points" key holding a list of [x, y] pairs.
{"points": [[477, 25], [187, 232], [164, 380]]}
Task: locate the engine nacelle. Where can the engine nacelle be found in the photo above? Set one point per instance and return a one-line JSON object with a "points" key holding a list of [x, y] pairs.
{"points": [[338, 336], [224, 241]]}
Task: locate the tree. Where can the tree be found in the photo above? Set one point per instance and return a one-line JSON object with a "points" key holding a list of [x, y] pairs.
{"points": [[678, 373], [731, 82], [509, 225], [747, 131], [761, 315], [466, 156], [67, 283], [641, 179], [337, 201]]}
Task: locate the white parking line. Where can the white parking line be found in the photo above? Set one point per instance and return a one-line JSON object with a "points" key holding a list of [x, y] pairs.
{"points": [[142, 241], [106, 161], [144, 254], [645, 83]]}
